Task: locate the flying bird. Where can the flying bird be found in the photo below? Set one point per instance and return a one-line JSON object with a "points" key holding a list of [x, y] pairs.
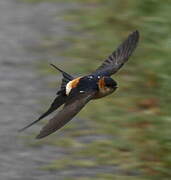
{"points": [[75, 93]]}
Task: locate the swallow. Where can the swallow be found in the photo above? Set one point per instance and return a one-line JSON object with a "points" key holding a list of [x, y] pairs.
{"points": [[75, 93]]}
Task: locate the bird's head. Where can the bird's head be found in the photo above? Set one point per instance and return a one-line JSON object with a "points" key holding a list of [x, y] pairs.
{"points": [[110, 83]]}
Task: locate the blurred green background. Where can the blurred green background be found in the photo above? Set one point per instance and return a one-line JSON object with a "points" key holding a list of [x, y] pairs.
{"points": [[130, 129]]}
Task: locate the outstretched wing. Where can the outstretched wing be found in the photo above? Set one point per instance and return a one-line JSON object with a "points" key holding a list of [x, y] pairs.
{"points": [[59, 100], [71, 108], [116, 60]]}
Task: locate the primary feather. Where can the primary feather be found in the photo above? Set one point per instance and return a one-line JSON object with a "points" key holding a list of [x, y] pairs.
{"points": [[71, 108], [116, 60]]}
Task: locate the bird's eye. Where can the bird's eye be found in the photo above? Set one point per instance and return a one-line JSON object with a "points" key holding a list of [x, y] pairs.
{"points": [[98, 77]]}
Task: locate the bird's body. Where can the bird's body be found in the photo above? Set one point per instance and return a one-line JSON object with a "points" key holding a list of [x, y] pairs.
{"points": [[90, 82], [75, 93]]}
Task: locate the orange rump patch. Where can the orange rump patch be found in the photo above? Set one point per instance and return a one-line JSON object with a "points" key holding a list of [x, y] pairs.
{"points": [[75, 82], [72, 84]]}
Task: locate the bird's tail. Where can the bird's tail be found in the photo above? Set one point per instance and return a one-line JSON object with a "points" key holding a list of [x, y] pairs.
{"points": [[66, 75], [66, 78]]}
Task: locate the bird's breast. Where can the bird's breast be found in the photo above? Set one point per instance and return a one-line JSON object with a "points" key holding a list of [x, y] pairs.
{"points": [[103, 92]]}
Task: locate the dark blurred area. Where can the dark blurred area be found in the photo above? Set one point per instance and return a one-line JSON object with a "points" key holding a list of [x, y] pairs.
{"points": [[124, 136]]}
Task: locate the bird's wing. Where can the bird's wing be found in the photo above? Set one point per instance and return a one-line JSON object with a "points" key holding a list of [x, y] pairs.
{"points": [[71, 108], [59, 100], [116, 60]]}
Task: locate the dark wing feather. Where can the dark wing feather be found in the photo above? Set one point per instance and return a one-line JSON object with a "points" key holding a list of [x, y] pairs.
{"points": [[70, 109], [56, 104], [116, 60]]}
